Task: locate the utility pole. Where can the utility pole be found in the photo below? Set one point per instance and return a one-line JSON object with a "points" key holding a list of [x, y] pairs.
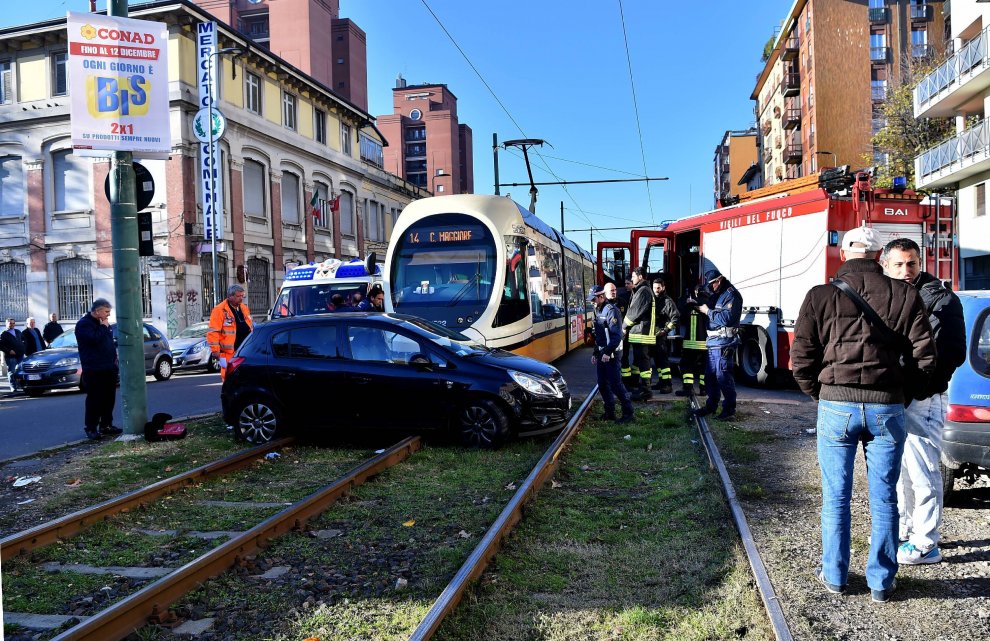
{"points": [[127, 280], [495, 153]]}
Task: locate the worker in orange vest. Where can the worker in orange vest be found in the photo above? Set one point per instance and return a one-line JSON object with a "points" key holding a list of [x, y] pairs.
{"points": [[230, 324]]}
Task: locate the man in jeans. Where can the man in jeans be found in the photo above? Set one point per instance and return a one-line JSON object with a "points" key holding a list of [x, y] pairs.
{"points": [[858, 375], [919, 488]]}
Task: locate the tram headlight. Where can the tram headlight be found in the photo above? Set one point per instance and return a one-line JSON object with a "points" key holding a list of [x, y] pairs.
{"points": [[534, 384]]}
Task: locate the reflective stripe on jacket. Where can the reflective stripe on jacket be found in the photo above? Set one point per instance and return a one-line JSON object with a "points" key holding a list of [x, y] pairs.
{"points": [[223, 329]]}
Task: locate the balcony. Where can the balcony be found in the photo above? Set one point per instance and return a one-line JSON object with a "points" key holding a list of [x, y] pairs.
{"points": [[790, 49], [957, 158], [878, 14], [880, 54], [922, 51], [920, 12], [792, 115], [878, 94], [792, 152], [958, 84], [790, 85]]}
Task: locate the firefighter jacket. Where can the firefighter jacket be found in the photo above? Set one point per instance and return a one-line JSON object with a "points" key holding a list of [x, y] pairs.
{"points": [[723, 317], [641, 319], [668, 316], [223, 329], [608, 330]]}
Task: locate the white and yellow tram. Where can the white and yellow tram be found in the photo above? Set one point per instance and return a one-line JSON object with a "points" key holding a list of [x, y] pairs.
{"points": [[488, 268]]}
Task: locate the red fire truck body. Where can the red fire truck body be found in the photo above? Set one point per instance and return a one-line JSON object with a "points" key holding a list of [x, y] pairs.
{"points": [[775, 249]]}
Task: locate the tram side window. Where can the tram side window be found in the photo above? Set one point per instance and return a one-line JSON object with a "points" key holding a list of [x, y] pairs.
{"points": [[548, 296], [575, 287], [514, 305], [589, 280]]}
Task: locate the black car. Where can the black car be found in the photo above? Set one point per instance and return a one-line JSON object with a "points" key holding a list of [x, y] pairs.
{"points": [[58, 366], [386, 371]]}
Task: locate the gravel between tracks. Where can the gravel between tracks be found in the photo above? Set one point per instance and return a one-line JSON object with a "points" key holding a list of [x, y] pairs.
{"points": [[944, 601]]}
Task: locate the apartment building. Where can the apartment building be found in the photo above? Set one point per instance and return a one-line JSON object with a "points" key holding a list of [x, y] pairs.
{"points": [[734, 157], [430, 147], [832, 63], [293, 146], [960, 88]]}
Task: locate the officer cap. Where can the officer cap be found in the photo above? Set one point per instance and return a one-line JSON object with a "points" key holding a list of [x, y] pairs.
{"points": [[597, 290], [712, 274]]}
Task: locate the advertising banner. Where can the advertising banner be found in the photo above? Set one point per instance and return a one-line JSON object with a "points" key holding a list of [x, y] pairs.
{"points": [[208, 127], [118, 85]]}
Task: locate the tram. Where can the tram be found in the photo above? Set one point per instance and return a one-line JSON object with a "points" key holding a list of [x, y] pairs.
{"points": [[488, 268]]}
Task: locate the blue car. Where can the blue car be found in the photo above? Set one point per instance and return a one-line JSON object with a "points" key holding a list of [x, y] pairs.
{"points": [[966, 437]]}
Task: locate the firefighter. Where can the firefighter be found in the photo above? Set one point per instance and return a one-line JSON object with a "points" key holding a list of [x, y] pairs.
{"points": [[230, 324], [723, 338], [640, 326], [694, 352], [667, 317]]}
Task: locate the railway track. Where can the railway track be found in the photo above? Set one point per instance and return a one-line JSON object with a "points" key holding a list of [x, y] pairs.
{"points": [[150, 604]]}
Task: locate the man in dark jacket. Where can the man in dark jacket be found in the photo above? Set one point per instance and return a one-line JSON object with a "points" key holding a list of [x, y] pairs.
{"points": [[52, 330], [98, 359], [919, 487], [622, 299], [721, 340], [33, 340], [858, 374], [640, 326], [668, 318], [608, 351], [12, 347]]}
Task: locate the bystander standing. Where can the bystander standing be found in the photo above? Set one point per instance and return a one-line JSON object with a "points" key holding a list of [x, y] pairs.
{"points": [[98, 359]]}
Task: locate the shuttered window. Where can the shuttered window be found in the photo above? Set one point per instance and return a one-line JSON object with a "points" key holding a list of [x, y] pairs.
{"points": [[322, 206], [290, 198], [72, 182], [6, 82], [347, 213], [981, 199], [254, 189]]}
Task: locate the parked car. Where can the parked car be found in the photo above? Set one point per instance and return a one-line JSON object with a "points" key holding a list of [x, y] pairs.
{"points": [[375, 371], [58, 366], [966, 437], [190, 351]]}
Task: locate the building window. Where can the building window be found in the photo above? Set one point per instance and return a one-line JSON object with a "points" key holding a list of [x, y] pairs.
{"points": [[60, 85], [13, 290], [320, 126], [290, 199], [6, 82], [254, 189], [981, 199], [256, 26], [439, 189], [72, 183], [320, 210], [259, 297], [11, 186], [206, 262], [416, 133], [252, 93], [919, 42], [345, 139], [289, 111], [346, 213], [371, 151], [74, 280], [373, 223]]}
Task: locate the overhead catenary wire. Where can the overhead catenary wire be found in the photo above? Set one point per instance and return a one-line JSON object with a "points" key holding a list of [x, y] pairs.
{"points": [[639, 128]]}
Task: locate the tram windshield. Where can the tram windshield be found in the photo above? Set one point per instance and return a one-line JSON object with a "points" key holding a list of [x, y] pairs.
{"points": [[444, 270]]}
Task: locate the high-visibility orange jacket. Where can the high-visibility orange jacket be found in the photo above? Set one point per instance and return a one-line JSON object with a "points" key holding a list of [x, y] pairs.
{"points": [[223, 331]]}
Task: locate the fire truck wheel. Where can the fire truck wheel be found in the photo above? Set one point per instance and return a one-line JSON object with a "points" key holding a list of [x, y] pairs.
{"points": [[754, 357]]}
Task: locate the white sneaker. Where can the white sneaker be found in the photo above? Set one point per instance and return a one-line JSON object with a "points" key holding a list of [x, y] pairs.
{"points": [[908, 554]]}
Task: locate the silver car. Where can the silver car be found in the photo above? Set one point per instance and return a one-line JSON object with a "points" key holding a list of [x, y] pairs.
{"points": [[190, 351]]}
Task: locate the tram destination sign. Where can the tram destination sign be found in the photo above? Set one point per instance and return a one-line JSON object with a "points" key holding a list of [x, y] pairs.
{"points": [[446, 235], [118, 85]]}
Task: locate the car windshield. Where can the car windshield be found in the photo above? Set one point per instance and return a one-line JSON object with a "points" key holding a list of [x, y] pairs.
{"points": [[300, 300], [65, 339], [447, 338], [980, 354], [194, 331]]}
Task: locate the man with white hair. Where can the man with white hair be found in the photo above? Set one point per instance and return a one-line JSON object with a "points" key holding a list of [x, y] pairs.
{"points": [[858, 343], [33, 340]]}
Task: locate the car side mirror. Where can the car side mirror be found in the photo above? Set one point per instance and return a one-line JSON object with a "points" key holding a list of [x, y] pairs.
{"points": [[421, 362]]}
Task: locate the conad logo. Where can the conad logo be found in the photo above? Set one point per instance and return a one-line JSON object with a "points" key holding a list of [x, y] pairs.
{"points": [[90, 32]]}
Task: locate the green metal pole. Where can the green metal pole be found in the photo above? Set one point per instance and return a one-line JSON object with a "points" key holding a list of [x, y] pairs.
{"points": [[127, 280]]}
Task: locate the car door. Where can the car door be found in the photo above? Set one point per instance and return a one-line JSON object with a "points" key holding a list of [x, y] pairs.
{"points": [[391, 378], [152, 347], [306, 375]]}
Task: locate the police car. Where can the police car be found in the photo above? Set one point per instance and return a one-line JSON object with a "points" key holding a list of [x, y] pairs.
{"points": [[966, 437], [314, 288]]}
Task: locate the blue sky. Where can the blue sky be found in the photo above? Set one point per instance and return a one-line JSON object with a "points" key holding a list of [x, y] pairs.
{"points": [[559, 68]]}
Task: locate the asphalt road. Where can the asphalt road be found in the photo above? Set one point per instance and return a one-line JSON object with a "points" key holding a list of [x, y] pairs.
{"points": [[28, 425]]}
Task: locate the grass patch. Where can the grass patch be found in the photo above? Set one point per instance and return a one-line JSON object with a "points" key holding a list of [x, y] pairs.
{"points": [[633, 541], [105, 544], [29, 589]]}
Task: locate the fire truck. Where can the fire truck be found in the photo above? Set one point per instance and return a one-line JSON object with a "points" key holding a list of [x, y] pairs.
{"points": [[776, 243]]}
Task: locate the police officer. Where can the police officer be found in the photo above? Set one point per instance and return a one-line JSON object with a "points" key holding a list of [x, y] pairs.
{"points": [[640, 325], [723, 338], [608, 350], [667, 319], [694, 352]]}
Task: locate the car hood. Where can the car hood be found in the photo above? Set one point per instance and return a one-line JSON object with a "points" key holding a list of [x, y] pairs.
{"points": [[185, 343], [51, 354], [508, 360]]}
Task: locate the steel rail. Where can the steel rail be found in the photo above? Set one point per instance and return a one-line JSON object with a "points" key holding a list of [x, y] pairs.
{"points": [[131, 613], [71, 524], [763, 583], [510, 516]]}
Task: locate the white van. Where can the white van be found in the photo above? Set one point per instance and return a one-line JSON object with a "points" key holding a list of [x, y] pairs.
{"points": [[312, 288]]}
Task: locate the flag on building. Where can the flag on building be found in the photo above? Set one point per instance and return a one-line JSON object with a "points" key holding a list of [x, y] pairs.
{"points": [[314, 204], [335, 203]]}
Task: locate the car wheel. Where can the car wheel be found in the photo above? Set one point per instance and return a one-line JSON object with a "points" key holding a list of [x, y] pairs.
{"points": [[163, 370], [258, 422], [34, 392], [948, 480], [214, 364], [482, 423]]}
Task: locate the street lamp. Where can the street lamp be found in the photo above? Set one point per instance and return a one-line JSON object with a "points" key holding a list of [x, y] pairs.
{"points": [[835, 162], [237, 51]]}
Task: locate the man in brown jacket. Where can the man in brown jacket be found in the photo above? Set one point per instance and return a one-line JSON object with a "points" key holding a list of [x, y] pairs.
{"points": [[858, 371]]}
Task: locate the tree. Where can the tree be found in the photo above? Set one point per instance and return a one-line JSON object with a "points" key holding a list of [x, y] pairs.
{"points": [[904, 137]]}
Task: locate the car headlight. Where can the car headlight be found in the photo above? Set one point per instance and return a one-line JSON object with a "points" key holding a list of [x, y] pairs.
{"points": [[67, 362], [534, 384], [200, 346]]}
